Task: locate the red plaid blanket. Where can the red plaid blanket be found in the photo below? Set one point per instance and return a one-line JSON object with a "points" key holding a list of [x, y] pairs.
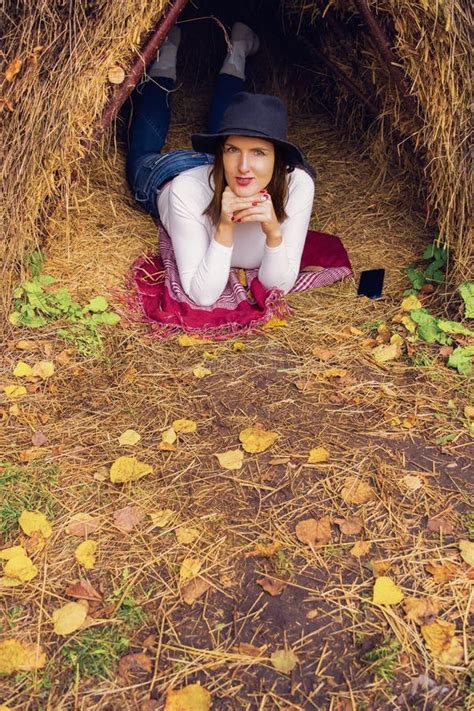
{"points": [[156, 297]]}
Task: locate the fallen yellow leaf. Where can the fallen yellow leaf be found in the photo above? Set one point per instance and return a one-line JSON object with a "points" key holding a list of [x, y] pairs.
{"points": [[33, 521], [186, 535], [409, 324], [184, 426], [284, 660], [357, 491], [232, 459], [466, 549], [70, 617], [169, 436], [167, 447], [43, 369], [14, 410], [318, 455], [440, 640], [129, 438], [410, 303], [128, 469], [396, 339], [274, 322], [162, 518], [238, 346], [386, 592], [190, 698], [18, 656], [386, 352], [22, 370], [255, 440], [85, 554], [190, 567], [412, 482], [14, 392], [7, 582], [360, 548], [185, 341], [200, 371], [21, 568], [12, 552]]}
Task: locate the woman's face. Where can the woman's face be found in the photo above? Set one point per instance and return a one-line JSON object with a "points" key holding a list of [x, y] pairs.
{"points": [[248, 164]]}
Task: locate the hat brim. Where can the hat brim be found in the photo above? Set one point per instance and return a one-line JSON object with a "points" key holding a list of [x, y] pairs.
{"points": [[209, 142]]}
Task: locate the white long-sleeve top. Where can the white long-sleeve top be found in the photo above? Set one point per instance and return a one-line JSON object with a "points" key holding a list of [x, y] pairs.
{"points": [[204, 264]]}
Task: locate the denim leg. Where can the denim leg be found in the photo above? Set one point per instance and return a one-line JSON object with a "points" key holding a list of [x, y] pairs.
{"points": [[227, 87], [151, 117]]}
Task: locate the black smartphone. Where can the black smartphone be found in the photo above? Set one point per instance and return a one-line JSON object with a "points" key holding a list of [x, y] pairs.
{"points": [[371, 283]]}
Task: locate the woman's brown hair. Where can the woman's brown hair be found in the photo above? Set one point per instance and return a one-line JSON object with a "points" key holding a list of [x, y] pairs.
{"points": [[277, 187]]}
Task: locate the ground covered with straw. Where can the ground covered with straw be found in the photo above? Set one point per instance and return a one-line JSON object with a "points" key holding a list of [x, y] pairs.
{"points": [[332, 580]]}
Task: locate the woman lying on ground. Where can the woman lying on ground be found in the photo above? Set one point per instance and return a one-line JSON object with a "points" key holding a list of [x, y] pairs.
{"points": [[237, 200]]}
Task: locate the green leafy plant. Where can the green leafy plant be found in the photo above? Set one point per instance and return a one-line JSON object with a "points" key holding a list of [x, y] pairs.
{"points": [[433, 272], [37, 305], [383, 659]]}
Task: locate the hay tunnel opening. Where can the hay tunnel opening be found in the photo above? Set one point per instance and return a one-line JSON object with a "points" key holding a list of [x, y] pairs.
{"points": [[383, 132]]}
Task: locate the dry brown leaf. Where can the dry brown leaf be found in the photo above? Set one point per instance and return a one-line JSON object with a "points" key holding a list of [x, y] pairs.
{"points": [[312, 531], [380, 567], [128, 518], [13, 69], [82, 525], [322, 353], [444, 572], [83, 590], [334, 373], [440, 524], [250, 650], [132, 665], [271, 586], [350, 526], [356, 491], [412, 482], [265, 550], [38, 438], [193, 589], [423, 611]]}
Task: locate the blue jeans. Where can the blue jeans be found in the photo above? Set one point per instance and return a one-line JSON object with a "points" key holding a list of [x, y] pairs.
{"points": [[147, 168]]}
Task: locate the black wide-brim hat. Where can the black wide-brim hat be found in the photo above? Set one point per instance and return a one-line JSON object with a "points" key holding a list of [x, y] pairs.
{"points": [[256, 115]]}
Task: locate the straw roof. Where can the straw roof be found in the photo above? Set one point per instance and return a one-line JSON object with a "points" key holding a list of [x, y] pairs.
{"points": [[62, 54]]}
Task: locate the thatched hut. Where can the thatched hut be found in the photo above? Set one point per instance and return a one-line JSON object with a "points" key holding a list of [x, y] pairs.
{"points": [[392, 72]]}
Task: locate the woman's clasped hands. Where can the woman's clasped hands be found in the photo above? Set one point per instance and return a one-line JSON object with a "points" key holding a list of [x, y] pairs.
{"points": [[255, 208]]}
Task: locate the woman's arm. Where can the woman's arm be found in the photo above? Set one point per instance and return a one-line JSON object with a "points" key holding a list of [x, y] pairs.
{"points": [[203, 264], [281, 264]]}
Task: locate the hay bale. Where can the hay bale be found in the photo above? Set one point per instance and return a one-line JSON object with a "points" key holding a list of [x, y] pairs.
{"points": [[64, 53]]}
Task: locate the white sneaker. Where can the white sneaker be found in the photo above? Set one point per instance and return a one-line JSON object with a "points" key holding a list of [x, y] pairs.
{"points": [[243, 33], [165, 63]]}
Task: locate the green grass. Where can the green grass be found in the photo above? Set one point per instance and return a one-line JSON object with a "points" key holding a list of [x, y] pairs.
{"points": [[96, 651], [383, 659], [26, 488]]}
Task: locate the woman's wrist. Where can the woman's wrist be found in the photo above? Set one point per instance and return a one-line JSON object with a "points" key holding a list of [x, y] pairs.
{"points": [[274, 238], [224, 234]]}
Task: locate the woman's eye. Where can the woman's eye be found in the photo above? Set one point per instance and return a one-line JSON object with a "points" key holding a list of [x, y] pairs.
{"points": [[230, 149], [259, 153]]}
